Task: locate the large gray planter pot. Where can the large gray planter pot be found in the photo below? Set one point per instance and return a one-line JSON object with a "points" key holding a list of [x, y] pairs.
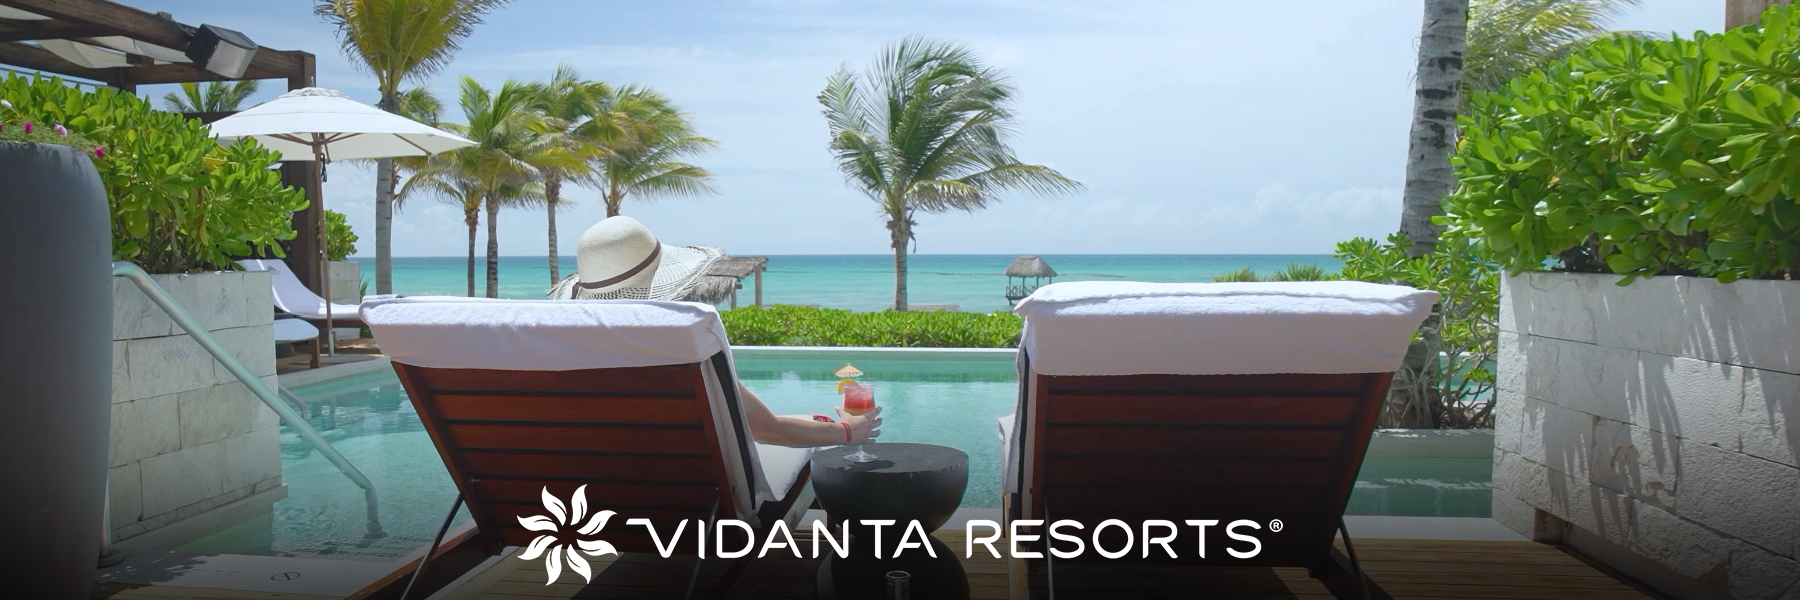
{"points": [[55, 368]]}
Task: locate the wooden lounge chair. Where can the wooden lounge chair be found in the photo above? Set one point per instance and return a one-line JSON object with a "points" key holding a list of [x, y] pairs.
{"points": [[1204, 401], [637, 401], [293, 298]]}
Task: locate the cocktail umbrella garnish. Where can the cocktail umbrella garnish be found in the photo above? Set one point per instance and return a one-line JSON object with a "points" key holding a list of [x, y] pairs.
{"points": [[846, 375]]}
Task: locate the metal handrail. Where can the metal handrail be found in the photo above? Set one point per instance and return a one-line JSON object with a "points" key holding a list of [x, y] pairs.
{"points": [[200, 334]]}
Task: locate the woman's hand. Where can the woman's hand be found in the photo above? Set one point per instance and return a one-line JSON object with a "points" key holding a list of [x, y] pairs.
{"points": [[864, 428]]}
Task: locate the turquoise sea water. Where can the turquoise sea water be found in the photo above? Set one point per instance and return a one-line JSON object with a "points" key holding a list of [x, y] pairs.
{"points": [[973, 282]]}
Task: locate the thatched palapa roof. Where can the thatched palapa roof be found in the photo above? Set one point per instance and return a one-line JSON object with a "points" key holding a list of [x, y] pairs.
{"points": [[722, 278], [1029, 266]]}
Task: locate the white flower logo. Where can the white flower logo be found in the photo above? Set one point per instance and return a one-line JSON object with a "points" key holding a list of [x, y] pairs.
{"points": [[577, 509]]}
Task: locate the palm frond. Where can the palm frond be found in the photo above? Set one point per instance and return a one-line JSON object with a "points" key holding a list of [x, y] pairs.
{"points": [[403, 39]]}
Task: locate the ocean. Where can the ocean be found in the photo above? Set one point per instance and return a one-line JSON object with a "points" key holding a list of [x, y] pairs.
{"points": [[973, 282]]}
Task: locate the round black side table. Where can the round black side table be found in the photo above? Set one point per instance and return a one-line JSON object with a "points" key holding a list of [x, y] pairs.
{"points": [[907, 482]]}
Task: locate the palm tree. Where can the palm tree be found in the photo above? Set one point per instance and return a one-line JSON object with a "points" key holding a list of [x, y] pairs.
{"points": [[1471, 46], [926, 130], [643, 141], [564, 104], [504, 130], [1428, 173], [215, 97], [439, 178], [398, 40]]}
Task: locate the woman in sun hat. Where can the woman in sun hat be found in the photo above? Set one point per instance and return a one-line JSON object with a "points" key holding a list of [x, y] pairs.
{"points": [[619, 259]]}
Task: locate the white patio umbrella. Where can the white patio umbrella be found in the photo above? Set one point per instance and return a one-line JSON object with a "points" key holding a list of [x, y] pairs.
{"points": [[324, 125]]}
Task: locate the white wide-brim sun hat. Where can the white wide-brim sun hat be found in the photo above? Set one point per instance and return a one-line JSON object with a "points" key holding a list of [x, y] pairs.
{"points": [[619, 259]]}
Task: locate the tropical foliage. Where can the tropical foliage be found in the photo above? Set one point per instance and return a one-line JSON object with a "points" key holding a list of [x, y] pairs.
{"points": [[926, 130], [1643, 157], [1456, 391], [213, 97], [1510, 38], [1469, 46], [397, 40], [782, 325], [180, 201], [340, 240]]}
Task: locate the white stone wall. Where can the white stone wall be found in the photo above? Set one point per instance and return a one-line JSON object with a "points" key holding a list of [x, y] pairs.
{"points": [[187, 436], [1661, 420], [346, 288]]}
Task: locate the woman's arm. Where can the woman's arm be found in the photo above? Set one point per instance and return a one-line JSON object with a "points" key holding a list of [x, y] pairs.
{"points": [[768, 428]]}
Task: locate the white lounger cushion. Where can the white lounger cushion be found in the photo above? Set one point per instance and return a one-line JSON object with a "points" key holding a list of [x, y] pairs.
{"points": [[294, 330], [292, 296], [1134, 328], [564, 335]]}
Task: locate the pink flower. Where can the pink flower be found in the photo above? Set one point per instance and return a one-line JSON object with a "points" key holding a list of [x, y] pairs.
{"points": [[99, 152], [27, 128], [60, 130]]}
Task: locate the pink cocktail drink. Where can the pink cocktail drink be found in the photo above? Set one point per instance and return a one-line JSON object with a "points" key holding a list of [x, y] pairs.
{"points": [[859, 398]]}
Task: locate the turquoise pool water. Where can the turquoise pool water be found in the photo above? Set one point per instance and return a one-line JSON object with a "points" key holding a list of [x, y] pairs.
{"points": [[946, 402]]}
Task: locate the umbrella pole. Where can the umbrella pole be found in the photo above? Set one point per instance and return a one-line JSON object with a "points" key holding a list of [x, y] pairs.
{"points": [[324, 256]]}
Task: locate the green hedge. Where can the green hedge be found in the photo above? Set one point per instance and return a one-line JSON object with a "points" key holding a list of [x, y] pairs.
{"points": [[1642, 157], [782, 325]]}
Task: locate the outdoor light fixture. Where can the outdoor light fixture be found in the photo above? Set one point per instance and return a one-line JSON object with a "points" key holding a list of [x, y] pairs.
{"points": [[221, 51]]}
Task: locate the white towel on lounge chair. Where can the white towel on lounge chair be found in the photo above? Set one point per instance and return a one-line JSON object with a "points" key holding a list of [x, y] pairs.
{"points": [[291, 296], [1134, 328], [564, 335]]}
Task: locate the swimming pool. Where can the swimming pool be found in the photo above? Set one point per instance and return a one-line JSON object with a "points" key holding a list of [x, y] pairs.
{"points": [[948, 399]]}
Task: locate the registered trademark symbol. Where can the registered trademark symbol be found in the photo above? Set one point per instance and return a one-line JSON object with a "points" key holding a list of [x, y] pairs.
{"points": [[288, 576], [1275, 525]]}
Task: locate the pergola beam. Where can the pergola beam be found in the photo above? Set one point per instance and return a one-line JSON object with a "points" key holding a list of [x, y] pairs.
{"points": [[20, 31], [150, 28]]}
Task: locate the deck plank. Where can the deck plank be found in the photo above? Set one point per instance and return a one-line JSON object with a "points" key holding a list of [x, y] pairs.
{"points": [[1407, 569]]}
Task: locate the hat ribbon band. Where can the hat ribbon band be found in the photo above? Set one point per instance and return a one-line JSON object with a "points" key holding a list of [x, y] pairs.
{"points": [[655, 253]]}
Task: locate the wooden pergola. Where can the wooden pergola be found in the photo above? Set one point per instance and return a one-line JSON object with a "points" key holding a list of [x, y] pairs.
{"points": [[122, 47]]}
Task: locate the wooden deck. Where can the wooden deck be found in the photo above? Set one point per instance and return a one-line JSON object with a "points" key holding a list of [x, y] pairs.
{"points": [[1407, 569]]}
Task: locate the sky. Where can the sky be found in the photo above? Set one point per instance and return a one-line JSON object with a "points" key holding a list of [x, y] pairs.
{"points": [[1196, 126]]}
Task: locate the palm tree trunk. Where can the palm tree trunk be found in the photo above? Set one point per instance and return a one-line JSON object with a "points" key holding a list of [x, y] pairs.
{"points": [[614, 201], [552, 189], [493, 246], [902, 233], [472, 218], [1429, 176], [384, 212]]}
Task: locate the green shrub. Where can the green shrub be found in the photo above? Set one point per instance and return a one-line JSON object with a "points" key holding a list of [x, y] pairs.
{"points": [[1292, 272], [1642, 157], [1458, 391], [340, 240], [781, 325], [180, 202], [1240, 275]]}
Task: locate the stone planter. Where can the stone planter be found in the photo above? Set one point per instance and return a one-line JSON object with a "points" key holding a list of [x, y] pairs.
{"points": [[346, 288], [187, 436], [1655, 427], [56, 235]]}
